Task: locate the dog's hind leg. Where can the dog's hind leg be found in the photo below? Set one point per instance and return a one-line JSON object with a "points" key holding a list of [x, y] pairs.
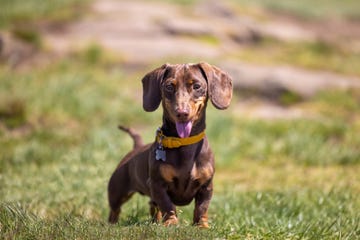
{"points": [[119, 191]]}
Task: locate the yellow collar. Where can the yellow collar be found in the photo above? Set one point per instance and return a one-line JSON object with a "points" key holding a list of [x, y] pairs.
{"points": [[175, 142]]}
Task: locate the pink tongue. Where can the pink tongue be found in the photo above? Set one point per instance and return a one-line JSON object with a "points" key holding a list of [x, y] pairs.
{"points": [[184, 129]]}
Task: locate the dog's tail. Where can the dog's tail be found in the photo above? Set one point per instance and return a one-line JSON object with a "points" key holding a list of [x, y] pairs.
{"points": [[138, 142]]}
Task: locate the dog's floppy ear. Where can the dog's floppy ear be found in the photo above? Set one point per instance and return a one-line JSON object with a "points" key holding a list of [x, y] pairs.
{"points": [[151, 88], [219, 85]]}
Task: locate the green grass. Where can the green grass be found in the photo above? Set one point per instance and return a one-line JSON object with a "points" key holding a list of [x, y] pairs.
{"points": [[254, 215], [301, 141], [278, 179], [321, 9], [18, 12], [275, 179], [316, 55]]}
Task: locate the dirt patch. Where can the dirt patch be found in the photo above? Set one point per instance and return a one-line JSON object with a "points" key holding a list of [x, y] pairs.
{"points": [[146, 33], [138, 31]]}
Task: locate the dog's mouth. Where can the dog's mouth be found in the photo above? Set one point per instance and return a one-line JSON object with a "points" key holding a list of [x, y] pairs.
{"points": [[184, 128]]}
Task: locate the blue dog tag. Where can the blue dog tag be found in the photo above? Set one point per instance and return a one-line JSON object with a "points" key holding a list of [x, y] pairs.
{"points": [[160, 154]]}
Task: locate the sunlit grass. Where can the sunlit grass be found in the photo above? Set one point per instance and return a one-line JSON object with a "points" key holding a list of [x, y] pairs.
{"points": [[275, 179], [17, 12], [330, 138], [312, 55], [321, 9]]}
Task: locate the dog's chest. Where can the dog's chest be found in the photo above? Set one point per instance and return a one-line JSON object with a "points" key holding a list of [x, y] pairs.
{"points": [[186, 177], [182, 185]]}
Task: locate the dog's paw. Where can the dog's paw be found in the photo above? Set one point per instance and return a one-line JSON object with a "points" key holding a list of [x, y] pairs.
{"points": [[113, 217], [203, 225], [171, 220]]}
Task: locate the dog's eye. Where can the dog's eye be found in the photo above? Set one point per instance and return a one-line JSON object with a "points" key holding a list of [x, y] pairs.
{"points": [[196, 86], [169, 87]]}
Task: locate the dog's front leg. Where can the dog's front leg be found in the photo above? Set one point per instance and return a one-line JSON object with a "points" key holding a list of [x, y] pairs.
{"points": [[163, 201], [202, 201]]}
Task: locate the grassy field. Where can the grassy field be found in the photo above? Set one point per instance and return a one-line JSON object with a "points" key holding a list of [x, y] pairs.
{"points": [[321, 9], [295, 179], [17, 12], [275, 179], [314, 55]]}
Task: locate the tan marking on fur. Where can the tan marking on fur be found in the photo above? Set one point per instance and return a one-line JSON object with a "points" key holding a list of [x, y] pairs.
{"points": [[199, 105], [196, 108], [167, 172], [158, 216], [155, 213], [202, 174]]}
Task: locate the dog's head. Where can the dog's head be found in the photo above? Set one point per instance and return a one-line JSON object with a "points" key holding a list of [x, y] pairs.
{"points": [[184, 90]]}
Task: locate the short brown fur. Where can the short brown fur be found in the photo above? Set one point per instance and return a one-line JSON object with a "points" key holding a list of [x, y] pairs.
{"points": [[187, 172]]}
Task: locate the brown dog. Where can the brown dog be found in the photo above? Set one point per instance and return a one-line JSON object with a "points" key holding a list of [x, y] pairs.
{"points": [[179, 165]]}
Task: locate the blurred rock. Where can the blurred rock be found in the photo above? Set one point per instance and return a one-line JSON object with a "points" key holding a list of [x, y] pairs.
{"points": [[186, 27]]}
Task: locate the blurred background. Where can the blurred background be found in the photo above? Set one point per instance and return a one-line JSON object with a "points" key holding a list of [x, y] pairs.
{"points": [[287, 150]]}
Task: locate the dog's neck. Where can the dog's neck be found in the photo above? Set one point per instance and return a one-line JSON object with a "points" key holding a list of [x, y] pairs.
{"points": [[169, 128]]}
